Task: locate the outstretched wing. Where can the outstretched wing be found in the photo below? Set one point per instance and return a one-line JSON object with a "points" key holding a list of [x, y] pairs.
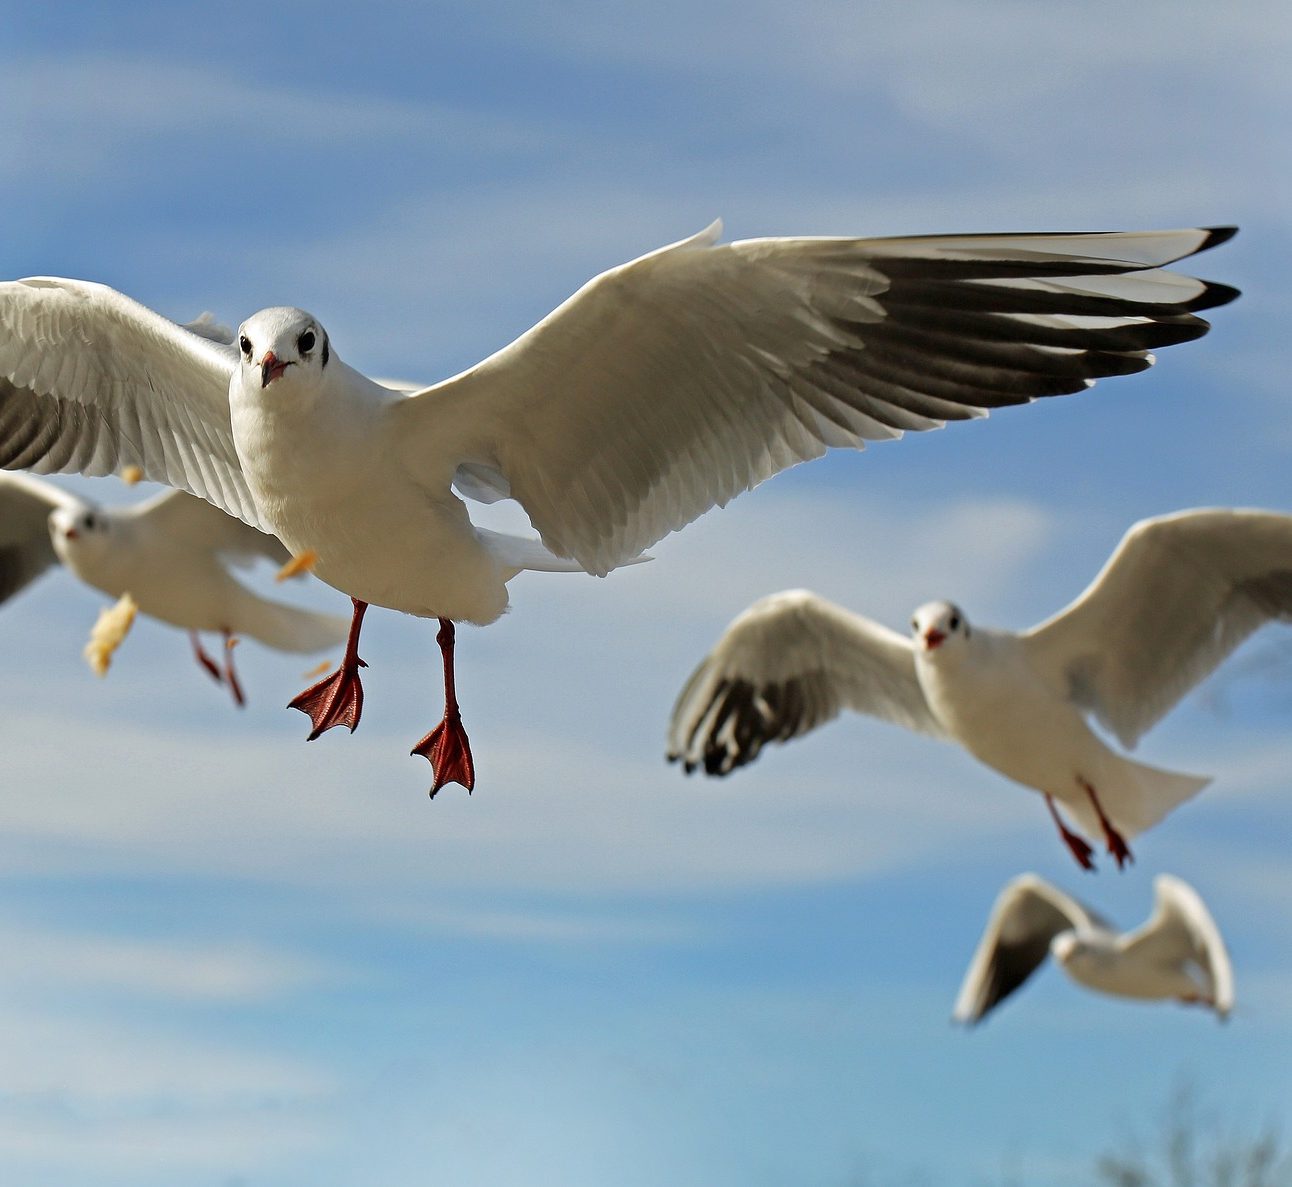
{"points": [[194, 523], [783, 667], [1176, 597], [670, 384], [1182, 932], [25, 547], [91, 381], [1028, 914]]}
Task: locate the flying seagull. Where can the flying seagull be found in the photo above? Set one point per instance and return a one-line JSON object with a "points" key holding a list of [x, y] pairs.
{"points": [[171, 553], [1178, 953], [663, 387], [1177, 596]]}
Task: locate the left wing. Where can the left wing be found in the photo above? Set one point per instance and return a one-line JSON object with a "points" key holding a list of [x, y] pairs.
{"points": [[670, 384], [1176, 597]]}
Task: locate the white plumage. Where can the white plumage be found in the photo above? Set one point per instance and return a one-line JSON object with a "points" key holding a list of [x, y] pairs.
{"points": [[663, 387], [1178, 595], [1177, 954], [172, 553]]}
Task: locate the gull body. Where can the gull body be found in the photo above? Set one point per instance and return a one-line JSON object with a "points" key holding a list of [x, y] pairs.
{"points": [[663, 387], [173, 554], [1176, 954], [1177, 596]]}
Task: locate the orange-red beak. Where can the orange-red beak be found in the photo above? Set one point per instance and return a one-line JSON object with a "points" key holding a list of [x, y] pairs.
{"points": [[271, 368], [933, 638], [70, 534]]}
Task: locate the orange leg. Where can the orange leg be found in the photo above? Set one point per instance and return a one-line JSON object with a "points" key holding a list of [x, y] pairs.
{"points": [[1076, 845], [337, 699], [446, 747]]}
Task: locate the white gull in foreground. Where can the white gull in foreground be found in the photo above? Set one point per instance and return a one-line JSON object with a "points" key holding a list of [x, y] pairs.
{"points": [[663, 387], [1178, 595], [170, 553], [1177, 954]]}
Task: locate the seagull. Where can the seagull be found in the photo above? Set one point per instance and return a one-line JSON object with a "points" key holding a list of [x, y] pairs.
{"points": [[663, 387], [1178, 953], [1179, 594], [170, 553]]}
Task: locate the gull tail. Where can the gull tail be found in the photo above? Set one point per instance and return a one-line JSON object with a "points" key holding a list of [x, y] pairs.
{"points": [[523, 552], [286, 628], [1143, 795]]}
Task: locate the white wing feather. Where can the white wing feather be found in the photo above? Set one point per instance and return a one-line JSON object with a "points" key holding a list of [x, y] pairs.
{"points": [[91, 381], [784, 666], [25, 547], [1029, 912], [1176, 597], [670, 384]]}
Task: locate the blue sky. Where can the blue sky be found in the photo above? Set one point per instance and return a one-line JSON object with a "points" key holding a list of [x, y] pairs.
{"points": [[234, 958]]}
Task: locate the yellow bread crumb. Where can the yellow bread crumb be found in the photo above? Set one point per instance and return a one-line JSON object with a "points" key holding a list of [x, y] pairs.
{"points": [[132, 475], [298, 565], [109, 633]]}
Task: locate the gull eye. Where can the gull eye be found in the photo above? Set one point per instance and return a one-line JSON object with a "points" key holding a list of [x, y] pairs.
{"points": [[90, 521], [244, 345], [954, 622], [915, 624], [305, 343]]}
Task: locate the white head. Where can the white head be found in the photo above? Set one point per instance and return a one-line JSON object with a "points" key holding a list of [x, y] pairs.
{"points": [[937, 625], [280, 344], [80, 535]]}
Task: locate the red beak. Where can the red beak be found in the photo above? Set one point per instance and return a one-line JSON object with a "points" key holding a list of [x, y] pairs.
{"points": [[933, 639], [70, 534], [271, 368]]}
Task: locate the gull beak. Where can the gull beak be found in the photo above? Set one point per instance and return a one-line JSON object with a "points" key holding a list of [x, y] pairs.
{"points": [[70, 533], [271, 368], [933, 638]]}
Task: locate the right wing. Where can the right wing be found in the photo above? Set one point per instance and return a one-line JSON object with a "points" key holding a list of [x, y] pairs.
{"points": [[91, 381], [786, 665], [1028, 914], [25, 547]]}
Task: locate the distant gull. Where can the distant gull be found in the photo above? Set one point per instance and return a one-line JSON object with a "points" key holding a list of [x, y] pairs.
{"points": [[662, 388], [1177, 954], [171, 554], [1178, 595]]}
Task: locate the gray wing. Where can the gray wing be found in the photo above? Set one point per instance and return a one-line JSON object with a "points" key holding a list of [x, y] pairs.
{"points": [[1182, 933], [1028, 914], [91, 381], [670, 384], [786, 665], [1176, 597], [194, 523], [25, 547]]}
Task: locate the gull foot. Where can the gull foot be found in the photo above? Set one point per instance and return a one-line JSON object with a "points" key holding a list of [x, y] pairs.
{"points": [[448, 751], [334, 700], [1116, 842], [1077, 846]]}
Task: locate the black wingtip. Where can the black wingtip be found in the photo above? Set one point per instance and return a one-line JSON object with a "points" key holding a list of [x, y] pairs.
{"points": [[1211, 296], [1216, 236]]}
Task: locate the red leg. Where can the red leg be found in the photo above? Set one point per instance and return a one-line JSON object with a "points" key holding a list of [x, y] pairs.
{"points": [[446, 747], [229, 673], [337, 699], [1116, 842], [205, 660], [1077, 846]]}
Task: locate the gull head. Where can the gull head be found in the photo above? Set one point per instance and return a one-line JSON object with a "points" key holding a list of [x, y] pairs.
{"points": [[78, 533], [282, 345], [937, 625]]}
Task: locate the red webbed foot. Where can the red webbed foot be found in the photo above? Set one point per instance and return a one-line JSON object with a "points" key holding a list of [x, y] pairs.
{"points": [[334, 700], [337, 699], [448, 751], [1077, 846], [1117, 846]]}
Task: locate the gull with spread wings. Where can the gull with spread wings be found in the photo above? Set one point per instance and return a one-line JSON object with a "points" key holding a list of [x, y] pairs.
{"points": [[171, 553], [663, 387], [1178, 953], [1177, 596]]}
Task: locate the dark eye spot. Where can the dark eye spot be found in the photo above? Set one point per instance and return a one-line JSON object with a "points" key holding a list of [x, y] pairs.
{"points": [[954, 622], [305, 343], [91, 522], [244, 344]]}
